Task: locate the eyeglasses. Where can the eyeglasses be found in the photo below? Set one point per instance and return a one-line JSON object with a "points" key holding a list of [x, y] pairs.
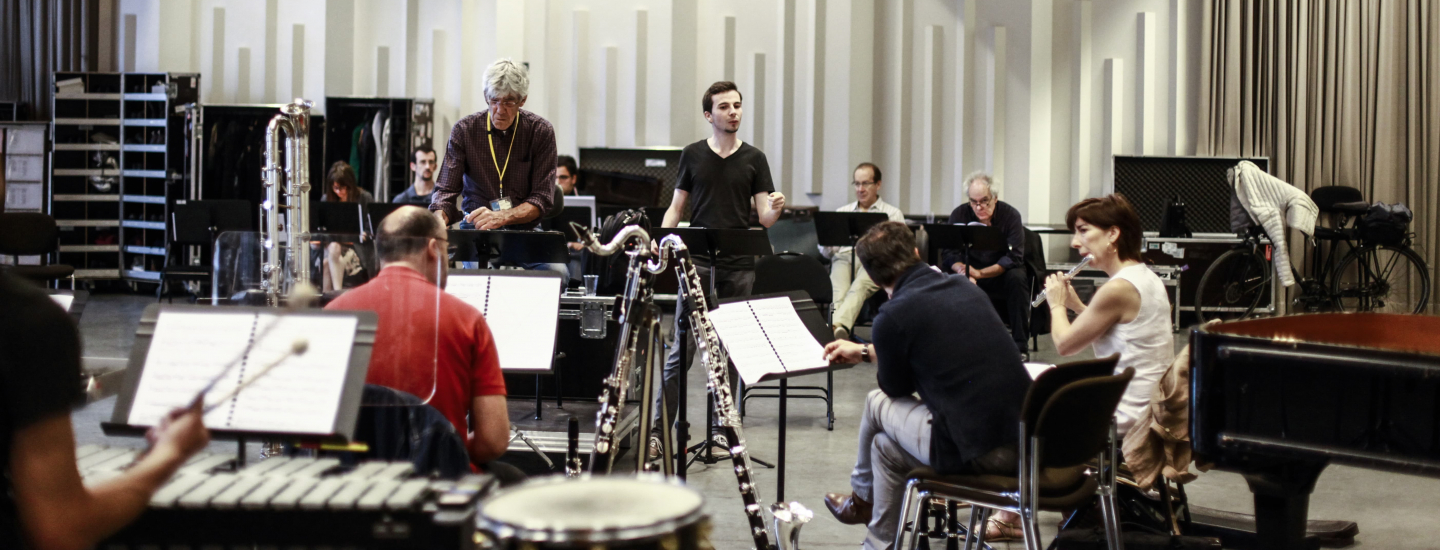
{"points": [[866, 183], [506, 103], [981, 203]]}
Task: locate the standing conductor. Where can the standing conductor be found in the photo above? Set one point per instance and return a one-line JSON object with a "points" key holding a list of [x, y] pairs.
{"points": [[721, 179]]}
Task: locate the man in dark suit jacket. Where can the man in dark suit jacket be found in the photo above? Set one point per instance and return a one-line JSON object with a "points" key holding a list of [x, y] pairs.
{"points": [[965, 420], [998, 272]]}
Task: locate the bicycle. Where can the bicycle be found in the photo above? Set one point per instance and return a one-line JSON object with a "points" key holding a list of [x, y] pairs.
{"points": [[1372, 276]]}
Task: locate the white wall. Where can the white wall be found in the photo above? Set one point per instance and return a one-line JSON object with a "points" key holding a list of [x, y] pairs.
{"points": [[930, 90]]}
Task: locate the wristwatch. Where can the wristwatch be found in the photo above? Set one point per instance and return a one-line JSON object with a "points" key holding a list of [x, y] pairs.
{"points": [[865, 353]]}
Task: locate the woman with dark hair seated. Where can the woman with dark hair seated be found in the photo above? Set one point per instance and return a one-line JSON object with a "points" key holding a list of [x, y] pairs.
{"points": [[342, 267]]}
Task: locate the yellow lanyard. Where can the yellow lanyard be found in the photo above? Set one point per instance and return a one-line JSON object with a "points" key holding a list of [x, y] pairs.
{"points": [[491, 137]]}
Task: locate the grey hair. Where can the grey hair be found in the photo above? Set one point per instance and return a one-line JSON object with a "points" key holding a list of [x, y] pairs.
{"points": [[506, 78], [984, 179]]}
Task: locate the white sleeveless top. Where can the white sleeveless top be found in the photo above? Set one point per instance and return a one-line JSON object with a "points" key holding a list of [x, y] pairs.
{"points": [[1145, 343]]}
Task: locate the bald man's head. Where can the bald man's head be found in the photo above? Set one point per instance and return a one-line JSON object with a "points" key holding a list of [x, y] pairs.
{"points": [[406, 232]]}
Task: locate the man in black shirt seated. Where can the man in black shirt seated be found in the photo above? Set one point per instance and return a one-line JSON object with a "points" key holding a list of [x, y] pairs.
{"points": [[998, 272], [419, 192], [43, 503], [967, 416]]}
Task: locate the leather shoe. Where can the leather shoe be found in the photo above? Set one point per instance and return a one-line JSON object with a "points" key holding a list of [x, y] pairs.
{"points": [[849, 509]]}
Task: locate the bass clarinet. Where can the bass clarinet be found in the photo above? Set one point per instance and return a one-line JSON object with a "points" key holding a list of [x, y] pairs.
{"points": [[717, 366]]}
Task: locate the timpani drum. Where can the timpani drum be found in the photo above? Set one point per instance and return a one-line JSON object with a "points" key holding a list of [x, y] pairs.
{"points": [[612, 513]]}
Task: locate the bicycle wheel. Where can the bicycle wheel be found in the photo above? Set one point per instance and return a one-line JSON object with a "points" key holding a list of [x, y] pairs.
{"points": [[1232, 286], [1387, 279]]}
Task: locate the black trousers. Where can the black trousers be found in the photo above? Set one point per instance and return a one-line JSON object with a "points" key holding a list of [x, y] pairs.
{"points": [[1015, 290], [728, 283]]}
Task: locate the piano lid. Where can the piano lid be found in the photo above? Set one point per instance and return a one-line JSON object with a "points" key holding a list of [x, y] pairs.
{"points": [[1376, 331]]}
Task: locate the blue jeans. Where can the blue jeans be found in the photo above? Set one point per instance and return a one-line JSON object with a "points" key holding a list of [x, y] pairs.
{"points": [[560, 268]]}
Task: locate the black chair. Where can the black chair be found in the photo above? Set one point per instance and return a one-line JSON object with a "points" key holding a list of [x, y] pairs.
{"points": [[32, 234], [1038, 322], [396, 425], [785, 272], [1066, 421], [198, 224]]}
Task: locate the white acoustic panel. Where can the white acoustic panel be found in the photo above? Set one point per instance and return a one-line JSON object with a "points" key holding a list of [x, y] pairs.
{"points": [[967, 83], [755, 108], [1035, 193], [131, 27], [297, 62], [729, 67], [905, 85], [788, 128], [817, 130], [382, 71], [272, 53], [642, 73], [1000, 104], [580, 56], [1146, 125], [217, 58], [1181, 140], [412, 46], [1082, 177], [612, 96]]}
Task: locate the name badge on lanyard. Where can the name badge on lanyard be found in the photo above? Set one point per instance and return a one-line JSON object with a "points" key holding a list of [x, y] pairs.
{"points": [[501, 204]]}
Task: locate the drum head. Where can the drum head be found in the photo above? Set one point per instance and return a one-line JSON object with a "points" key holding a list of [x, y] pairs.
{"points": [[608, 509]]}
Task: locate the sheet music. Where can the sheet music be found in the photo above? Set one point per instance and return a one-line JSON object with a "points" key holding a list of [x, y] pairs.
{"points": [[522, 313], [1034, 369], [300, 395], [766, 336], [64, 300]]}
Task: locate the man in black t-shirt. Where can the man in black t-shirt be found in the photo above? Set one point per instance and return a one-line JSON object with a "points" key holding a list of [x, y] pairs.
{"points": [[722, 178], [43, 503]]}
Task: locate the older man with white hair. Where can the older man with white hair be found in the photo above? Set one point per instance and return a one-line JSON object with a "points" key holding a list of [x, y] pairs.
{"points": [[999, 273], [499, 169]]}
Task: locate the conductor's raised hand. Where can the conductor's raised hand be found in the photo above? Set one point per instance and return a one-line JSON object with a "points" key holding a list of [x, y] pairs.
{"points": [[181, 433], [777, 201], [843, 351]]}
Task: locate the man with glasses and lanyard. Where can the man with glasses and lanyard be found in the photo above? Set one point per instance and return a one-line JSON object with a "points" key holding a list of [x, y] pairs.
{"points": [[499, 169], [999, 273]]}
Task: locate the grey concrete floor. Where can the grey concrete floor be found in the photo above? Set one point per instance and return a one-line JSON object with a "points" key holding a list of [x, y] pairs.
{"points": [[1393, 511]]}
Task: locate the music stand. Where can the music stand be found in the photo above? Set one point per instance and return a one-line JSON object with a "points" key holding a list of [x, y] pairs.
{"points": [[336, 217], [509, 246], [845, 229], [814, 321], [375, 212], [967, 238]]}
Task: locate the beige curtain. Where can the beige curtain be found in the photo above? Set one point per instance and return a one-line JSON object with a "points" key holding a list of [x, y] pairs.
{"points": [[1334, 92]]}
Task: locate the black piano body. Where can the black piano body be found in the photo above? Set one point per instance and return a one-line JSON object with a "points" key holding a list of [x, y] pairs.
{"points": [[1278, 399]]}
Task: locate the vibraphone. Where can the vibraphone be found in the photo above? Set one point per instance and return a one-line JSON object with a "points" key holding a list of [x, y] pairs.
{"points": [[293, 503]]}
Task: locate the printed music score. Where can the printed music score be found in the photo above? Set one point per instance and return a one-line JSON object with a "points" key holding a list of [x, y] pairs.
{"points": [[522, 313], [766, 336], [300, 395], [63, 300]]}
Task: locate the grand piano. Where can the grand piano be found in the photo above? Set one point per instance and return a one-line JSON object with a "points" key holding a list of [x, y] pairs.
{"points": [[1278, 399]]}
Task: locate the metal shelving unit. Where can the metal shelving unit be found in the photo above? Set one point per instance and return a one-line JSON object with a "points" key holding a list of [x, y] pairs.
{"points": [[118, 155]]}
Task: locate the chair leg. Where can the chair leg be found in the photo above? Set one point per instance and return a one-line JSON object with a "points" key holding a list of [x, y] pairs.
{"points": [[905, 506], [975, 535], [1108, 508], [830, 401]]}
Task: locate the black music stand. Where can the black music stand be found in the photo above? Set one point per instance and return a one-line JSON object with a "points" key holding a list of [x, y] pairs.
{"points": [[964, 237], [375, 212], [509, 246], [815, 321], [845, 229], [336, 217]]}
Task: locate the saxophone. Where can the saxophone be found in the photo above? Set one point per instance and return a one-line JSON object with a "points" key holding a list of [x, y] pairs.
{"points": [[639, 324], [717, 366]]}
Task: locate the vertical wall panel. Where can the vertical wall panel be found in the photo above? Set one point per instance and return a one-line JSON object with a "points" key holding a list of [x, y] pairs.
{"points": [[439, 69], [128, 64], [1181, 140], [216, 78], [860, 78], [1036, 183], [642, 74], [729, 71], [1000, 102], [817, 132], [297, 62], [682, 72], [968, 144], [1082, 177], [580, 53], [1114, 120], [612, 96], [902, 88], [1147, 123], [788, 168], [339, 47], [412, 46], [756, 106], [272, 54], [242, 79], [931, 118], [382, 71]]}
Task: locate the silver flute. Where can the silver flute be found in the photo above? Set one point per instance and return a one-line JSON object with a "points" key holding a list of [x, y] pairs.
{"points": [[1040, 299]]}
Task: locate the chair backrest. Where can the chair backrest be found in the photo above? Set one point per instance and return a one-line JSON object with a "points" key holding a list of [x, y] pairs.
{"points": [[1328, 196], [1050, 381], [28, 234], [1074, 424], [399, 426], [791, 271], [1034, 254]]}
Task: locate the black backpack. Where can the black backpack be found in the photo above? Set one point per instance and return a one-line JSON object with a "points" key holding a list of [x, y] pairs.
{"points": [[1386, 223], [611, 269]]}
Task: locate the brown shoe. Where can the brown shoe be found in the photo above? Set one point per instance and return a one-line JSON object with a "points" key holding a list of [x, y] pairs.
{"points": [[849, 509]]}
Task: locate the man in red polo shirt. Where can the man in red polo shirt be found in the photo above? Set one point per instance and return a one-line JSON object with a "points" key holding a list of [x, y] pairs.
{"points": [[447, 355]]}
